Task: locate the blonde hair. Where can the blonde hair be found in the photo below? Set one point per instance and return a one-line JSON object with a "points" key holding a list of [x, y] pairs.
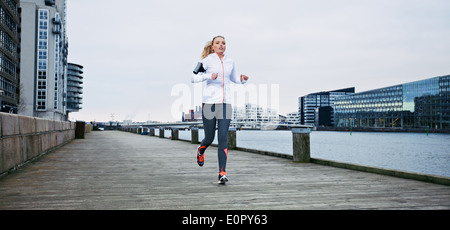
{"points": [[207, 49]]}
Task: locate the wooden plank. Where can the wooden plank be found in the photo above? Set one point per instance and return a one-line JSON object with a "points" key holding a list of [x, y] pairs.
{"points": [[119, 170]]}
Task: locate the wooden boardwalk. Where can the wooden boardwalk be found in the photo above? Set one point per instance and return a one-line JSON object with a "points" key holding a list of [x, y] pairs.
{"points": [[119, 170]]}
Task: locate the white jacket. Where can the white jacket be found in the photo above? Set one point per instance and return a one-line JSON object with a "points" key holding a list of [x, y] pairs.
{"points": [[217, 91]]}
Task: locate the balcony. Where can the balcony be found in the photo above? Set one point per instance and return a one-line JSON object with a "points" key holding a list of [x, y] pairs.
{"points": [[75, 79], [49, 2], [75, 100], [56, 21], [56, 30]]}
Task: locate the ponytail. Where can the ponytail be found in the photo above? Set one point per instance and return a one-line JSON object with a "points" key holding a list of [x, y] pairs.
{"points": [[207, 49]]}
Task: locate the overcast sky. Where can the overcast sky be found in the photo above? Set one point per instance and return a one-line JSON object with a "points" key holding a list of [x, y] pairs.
{"points": [[135, 52]]}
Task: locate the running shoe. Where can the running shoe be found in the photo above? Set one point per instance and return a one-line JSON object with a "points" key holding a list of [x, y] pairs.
{"points": [[200, 156], [223, 177]]}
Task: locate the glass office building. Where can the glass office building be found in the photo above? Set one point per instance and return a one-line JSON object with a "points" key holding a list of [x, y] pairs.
{"points": [[418, 104], [315, 109]]}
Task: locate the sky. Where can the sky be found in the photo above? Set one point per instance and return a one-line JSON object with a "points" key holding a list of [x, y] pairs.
{"points": [[138, 56]]}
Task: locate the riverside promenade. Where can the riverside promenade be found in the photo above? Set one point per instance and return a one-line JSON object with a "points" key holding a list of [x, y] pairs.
{"points": [[121, 170]]}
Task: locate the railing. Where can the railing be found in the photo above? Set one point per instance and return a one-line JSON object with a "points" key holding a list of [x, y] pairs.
{"points": [[301, 139]]}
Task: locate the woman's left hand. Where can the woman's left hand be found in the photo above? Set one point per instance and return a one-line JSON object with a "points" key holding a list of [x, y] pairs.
{"points": [[244, 77]]}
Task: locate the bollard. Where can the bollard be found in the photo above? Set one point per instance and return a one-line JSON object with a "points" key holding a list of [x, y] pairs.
{"points": [[232, 138], [300, 139], [161, 132], [152, 131], [194, 135], [80, 129], [174, 134]]}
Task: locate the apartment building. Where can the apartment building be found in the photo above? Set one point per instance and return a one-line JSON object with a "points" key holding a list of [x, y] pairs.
{"points": [[9, 56], [44, 50]]}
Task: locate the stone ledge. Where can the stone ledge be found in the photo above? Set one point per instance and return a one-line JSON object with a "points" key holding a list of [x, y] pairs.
{"points": [[24, 138], [10, 124]]}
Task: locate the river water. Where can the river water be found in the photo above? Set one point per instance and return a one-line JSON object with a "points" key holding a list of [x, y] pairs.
{"points": [[412, 152]]}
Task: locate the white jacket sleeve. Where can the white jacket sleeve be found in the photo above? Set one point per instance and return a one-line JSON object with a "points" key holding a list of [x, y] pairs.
{"points": [[200, 77], [236, 79]]}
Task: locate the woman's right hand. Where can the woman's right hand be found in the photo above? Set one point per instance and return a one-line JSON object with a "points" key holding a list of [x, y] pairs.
{"points": [[214, 76]]}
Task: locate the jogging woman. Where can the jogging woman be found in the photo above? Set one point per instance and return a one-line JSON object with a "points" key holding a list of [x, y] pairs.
{"points": [[216, 103]]}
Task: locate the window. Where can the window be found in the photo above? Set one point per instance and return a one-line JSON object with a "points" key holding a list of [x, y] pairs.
{"points": [[41, 95]]}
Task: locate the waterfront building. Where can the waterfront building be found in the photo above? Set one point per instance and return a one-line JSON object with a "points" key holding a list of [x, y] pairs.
{"points": [[250, 116], [9, 56], [282, 119], [44, 50], [193, 115], [74, 87], [293, 118], [316, 109], [127, 122], [253, 116], [418, 104]]}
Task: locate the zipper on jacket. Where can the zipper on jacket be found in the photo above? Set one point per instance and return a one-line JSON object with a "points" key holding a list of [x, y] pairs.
{"points": [[223, 82], [223, 79]]}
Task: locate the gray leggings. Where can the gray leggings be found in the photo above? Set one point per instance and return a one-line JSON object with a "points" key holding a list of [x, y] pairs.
{"points": [[220, 113]]}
